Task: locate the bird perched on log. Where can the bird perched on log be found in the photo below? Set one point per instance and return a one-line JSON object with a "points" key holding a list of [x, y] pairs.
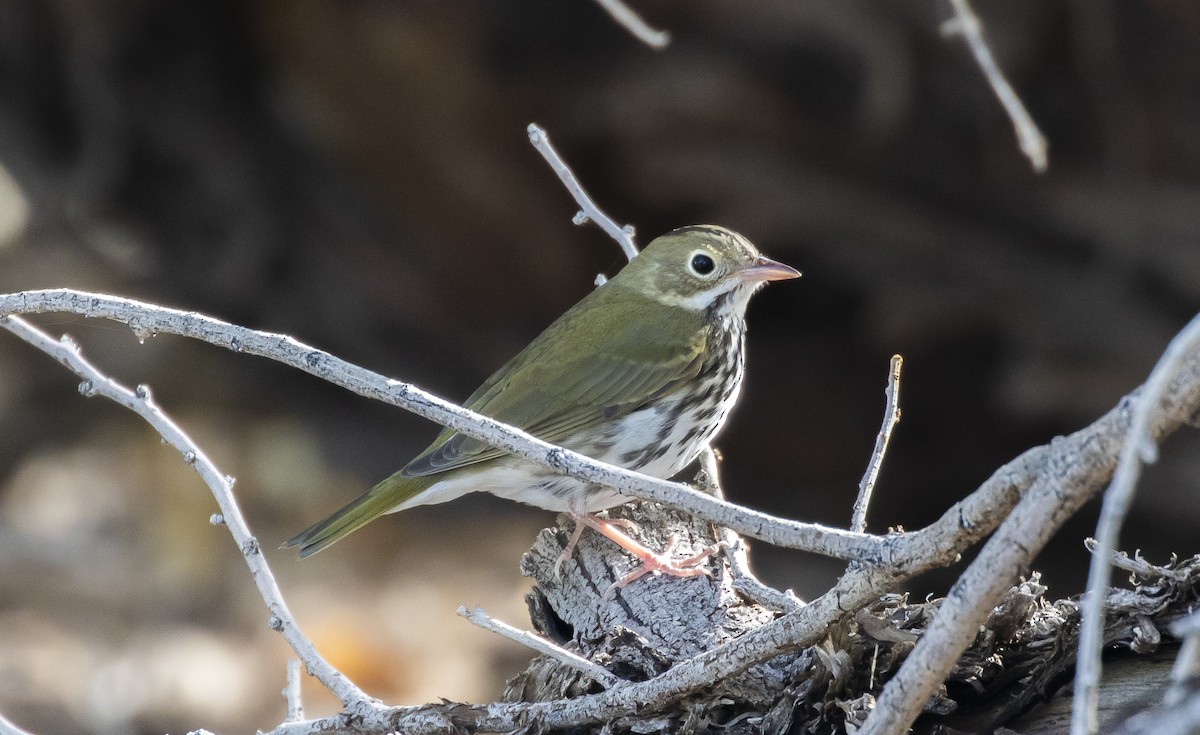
{"points": [[641, 373]]}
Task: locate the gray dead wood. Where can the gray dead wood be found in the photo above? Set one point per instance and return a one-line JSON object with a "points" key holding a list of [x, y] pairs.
{"points": [[1012, 679]]}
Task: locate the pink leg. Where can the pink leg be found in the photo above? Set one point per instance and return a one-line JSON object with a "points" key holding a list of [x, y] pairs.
{"points": [[569, 549]]}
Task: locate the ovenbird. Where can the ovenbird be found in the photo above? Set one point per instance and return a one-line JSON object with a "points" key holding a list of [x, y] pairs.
{"points": [[641, 373]]}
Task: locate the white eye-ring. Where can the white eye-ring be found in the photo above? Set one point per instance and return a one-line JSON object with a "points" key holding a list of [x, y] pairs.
{"points": [[700, 263]]}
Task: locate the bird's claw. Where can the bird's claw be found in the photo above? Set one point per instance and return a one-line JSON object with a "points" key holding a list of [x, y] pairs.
{"points": [[624, 523], [664, 563]]}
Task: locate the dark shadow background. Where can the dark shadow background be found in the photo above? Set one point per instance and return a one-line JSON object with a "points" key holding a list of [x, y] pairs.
{"points": [[356, 174]]}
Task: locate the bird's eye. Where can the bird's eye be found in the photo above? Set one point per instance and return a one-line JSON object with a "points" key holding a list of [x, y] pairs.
{"points": [[701, 264]]}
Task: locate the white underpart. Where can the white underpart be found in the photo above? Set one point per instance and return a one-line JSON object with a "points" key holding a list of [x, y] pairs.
{"points": [[523, 481]]}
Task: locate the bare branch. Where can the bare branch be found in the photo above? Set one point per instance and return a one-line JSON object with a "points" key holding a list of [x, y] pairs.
{"points": [[736, 551], [1029, 137], [291, 692], [588, 211], [710, 472], [891, 417], [1186, 671], [1137, 564], [148, 319], [1056, 480], [1071, 474], [66, 352], [601, 675], [800, 627], [1179, 718], [751, 586], [633, 23], [8, 728], [937, 545], [1139, 446]]}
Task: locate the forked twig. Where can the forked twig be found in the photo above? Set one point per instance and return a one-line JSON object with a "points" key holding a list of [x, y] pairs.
{"points": [[588, 210], [66, 352], [152, 319], [1063, 476], [736, 551], [1065, 481]]}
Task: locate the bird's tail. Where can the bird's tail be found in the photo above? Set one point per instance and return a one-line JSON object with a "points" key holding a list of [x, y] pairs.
{"points": [[359, 512]]}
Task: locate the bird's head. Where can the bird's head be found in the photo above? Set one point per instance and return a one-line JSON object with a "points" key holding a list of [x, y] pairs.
{"points": [[699, 266]]}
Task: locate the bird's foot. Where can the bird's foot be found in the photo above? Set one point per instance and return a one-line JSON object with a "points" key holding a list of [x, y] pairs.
{"points": [[651, 562], [624, 523], [666, 563]]}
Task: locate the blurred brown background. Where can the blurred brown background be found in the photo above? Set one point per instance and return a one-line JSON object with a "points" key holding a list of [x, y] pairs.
{"points": [[357, 174]]}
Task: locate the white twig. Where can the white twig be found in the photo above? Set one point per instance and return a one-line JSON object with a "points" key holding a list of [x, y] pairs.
{"points": [[1179, 718], [799, 627], [967, 24], [1138, 447], [148, 319], [8, 728], [291, 692], [66, 352], [633, 23], [710, 469], [1068, 476], [588, 211], [1186, 670], [1067, 473], [744, 580], [601, 675], [751, 586], [891, 417], [1138, 565]]}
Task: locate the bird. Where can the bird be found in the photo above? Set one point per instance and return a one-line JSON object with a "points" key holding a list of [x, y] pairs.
{"points": [[641, 373]]}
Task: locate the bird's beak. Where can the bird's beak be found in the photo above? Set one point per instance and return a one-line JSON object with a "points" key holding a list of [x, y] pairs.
{"points": [[765, 269]]}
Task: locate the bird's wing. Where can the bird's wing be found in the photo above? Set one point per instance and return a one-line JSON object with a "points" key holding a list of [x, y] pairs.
{"points": [[572, 378]]}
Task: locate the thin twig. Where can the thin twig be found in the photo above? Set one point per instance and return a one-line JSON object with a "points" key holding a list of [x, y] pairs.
{"points": [[744, 580], [633, 23], [967, 24], [291, 692], [66, 352], [736, 551], [1071, 474], [8, 728], [1186, 670], [601, 675], [1068, 472], [1139, 447], [800, 627], [891, 417], [588, 211], [710, 468], [148, 319], [1178, 718], [751, 586], [1136, 564]]}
